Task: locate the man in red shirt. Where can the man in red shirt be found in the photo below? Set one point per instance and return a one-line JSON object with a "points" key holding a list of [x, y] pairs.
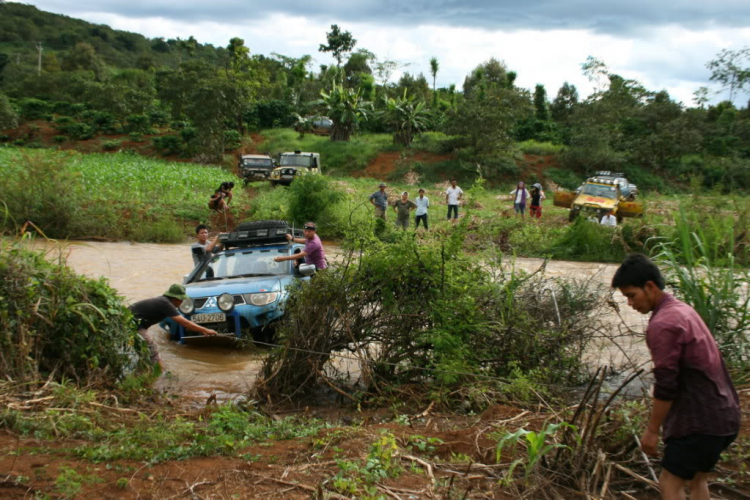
{"points": [[694, 400]]}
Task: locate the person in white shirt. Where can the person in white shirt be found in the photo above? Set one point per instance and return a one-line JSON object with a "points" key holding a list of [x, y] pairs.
{"points": [[452, 195], [609, 220], [522, 197], [420, 213]]}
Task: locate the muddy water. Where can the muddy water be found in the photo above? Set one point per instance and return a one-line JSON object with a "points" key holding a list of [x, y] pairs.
{"points": [[140, 270]]}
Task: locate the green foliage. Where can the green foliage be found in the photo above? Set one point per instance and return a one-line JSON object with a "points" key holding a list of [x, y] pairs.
{"points": [[346, 108], [8, 115], [111, 145], [312, 198], [564, 178], [536, 447], [533, 147], [585, 240], [72, 195], [406, 117], [168, 144], [59, 139], [69, 482], [339, 43], [56, 322], [33, 109], [706, 270], [435, 313]]}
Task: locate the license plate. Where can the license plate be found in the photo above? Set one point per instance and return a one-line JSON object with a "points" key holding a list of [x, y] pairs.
{"points": [[209, 318]]}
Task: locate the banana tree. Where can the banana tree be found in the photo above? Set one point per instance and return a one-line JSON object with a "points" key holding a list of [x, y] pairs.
{"points": [[346, 108], [406, 117]]}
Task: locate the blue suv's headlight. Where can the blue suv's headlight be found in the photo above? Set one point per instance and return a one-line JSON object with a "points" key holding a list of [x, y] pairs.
{"points": [[261, 299], [187, 306], [225, 302]]}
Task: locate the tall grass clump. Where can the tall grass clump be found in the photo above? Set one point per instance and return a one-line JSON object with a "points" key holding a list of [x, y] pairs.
{"points": [[588, 241], [41, 188], [56, 323], [712, 279], [532, 147]]}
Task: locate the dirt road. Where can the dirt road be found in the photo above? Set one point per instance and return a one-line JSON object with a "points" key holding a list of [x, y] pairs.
{"points": [[140, 271]]}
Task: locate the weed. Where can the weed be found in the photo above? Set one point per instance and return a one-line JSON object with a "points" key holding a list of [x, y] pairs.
{"points": [[536, 447], [69, 482]]}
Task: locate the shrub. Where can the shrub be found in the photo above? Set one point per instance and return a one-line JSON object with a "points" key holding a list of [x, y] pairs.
{"points": [[4, 137], [436, 318], [564, 178], [62, 108], [54, 322], [135, 137], [168, 144], [59, 139], [79, 131], [312, 198], [43, 191], [63, 121], [158, 117], [188, 133], [138, 123], [33, 109], [232, 140], [111, 145], [587, 241]]}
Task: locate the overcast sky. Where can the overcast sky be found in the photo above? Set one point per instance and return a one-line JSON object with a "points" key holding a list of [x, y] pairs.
{"points": [[664, 45]]}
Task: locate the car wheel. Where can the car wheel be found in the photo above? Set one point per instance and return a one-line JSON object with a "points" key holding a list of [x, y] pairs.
{"points": [[572, 215]]}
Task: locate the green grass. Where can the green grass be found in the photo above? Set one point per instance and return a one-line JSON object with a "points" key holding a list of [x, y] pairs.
{"points": [[336, 157], [116, 196], [533, 147]]}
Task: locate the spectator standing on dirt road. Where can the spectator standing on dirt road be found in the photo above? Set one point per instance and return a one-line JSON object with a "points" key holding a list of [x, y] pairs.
{"points": [[521, 197], [379, 200], [537, 195], [423, 203], [694, 401], [452, 196], [149, 312], [313, 252], [204, 248], [402, 207]]}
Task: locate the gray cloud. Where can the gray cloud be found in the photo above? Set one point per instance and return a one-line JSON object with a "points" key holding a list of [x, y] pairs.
{"points": [[600, 16]]}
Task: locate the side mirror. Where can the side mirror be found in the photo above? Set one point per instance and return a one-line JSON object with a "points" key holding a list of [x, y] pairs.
{"points": [[306, 269], [185, 278]]}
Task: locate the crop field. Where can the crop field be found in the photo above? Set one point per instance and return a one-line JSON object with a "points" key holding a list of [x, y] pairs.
{"points": [[110, 195]]}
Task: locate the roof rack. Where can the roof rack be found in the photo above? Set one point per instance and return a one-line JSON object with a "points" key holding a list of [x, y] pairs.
{"points": [[264, 236]]}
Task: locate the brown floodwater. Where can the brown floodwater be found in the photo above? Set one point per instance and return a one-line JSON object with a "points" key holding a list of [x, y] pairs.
{"points": [[197, 371]]}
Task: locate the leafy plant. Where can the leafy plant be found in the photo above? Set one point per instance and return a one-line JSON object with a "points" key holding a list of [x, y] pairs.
{"points": [[536, 447]]}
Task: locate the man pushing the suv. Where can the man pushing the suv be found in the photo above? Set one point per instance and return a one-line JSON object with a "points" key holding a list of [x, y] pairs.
{"points": [[149, 312]]}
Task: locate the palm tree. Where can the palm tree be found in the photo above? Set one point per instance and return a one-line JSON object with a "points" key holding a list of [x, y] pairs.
{"points": [[346, 108], [406, 117], [434, 67]]}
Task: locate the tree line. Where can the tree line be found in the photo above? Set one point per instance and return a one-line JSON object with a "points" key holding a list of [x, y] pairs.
{"points": [[89, 79]]}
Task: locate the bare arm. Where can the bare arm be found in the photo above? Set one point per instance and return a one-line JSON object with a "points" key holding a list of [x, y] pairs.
{"points": [[189, 325], [213, 243], [295, 256], [650, 438], [290, 238]]}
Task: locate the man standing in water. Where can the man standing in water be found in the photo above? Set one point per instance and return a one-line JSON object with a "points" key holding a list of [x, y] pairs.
{"points": [[149, 312], [694, 401], [313, 252]]}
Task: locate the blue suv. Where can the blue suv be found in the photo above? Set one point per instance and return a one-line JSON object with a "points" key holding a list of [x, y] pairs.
{"points": [[241, 289]]}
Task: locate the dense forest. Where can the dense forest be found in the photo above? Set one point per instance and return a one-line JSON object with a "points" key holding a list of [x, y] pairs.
{"points": [[88, 79]]}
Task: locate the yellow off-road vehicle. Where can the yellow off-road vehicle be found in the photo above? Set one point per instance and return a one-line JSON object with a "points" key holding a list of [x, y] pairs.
{"points": [[601, 193], [294, 164]]}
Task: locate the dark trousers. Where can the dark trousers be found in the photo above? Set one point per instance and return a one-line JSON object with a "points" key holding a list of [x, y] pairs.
{"points": [[422, 218], [455, 211]]}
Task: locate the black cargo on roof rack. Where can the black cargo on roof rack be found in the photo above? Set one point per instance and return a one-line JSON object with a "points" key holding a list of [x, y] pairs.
{"points": [[268, 232]]}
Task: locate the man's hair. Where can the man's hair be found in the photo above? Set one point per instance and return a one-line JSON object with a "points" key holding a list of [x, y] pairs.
{"points": [[200, 227], [636, 270]]}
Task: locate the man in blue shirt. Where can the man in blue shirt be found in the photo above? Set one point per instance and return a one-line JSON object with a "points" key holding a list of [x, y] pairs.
{"points": [[420, 213]]}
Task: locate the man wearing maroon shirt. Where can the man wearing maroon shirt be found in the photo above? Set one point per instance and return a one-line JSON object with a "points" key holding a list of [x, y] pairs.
{"points": [[694, 400]]}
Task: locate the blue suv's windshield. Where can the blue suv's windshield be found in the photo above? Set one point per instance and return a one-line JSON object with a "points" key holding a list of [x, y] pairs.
{"points": [[245, 263]]}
